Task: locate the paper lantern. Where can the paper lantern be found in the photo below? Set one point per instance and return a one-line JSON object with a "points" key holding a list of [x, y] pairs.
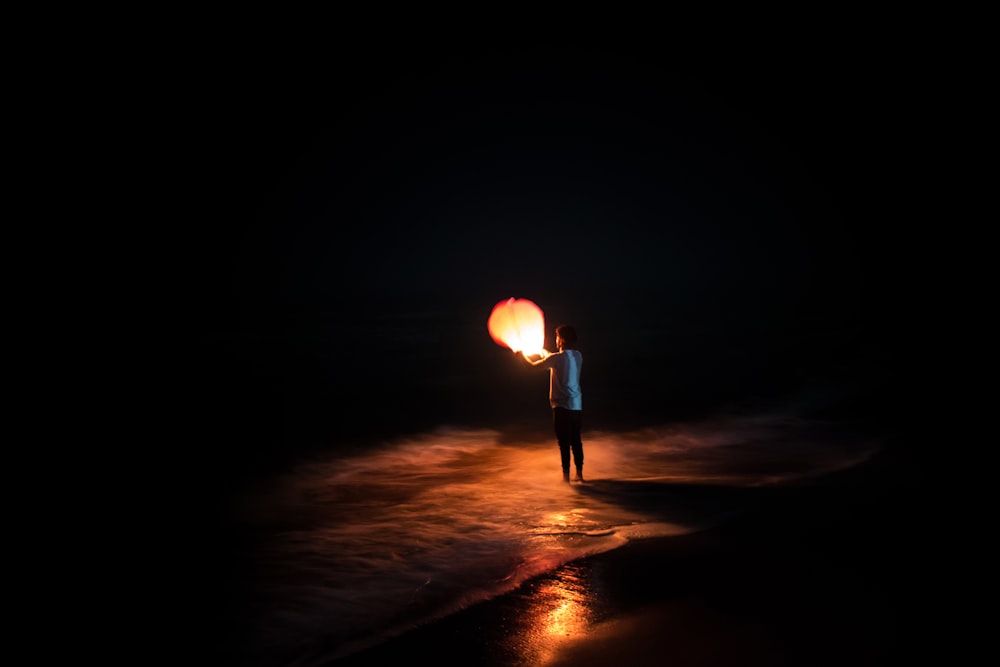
{"points": [[518, 324]]}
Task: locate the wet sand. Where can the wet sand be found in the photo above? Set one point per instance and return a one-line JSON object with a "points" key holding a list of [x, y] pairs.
{"points": [[818, 575]]}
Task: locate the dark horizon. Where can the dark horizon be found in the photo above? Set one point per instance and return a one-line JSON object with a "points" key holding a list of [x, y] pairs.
{"points": [[718, 231]]}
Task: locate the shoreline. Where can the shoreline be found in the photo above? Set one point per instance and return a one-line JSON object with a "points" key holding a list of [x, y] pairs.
{"points": [[817, 575]]}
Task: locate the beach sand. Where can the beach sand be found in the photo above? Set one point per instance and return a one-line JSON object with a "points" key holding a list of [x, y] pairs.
{"points": [[821, 574]]}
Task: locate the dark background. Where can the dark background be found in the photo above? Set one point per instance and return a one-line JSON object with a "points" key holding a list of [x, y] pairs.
{"points": [[724, 226], [730, 224]]}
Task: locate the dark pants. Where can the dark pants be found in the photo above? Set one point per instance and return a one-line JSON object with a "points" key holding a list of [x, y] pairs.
{"points": [[567, 425]]}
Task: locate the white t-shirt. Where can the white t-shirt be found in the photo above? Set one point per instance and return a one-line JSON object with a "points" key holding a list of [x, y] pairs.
{"points": [[564, 379]]}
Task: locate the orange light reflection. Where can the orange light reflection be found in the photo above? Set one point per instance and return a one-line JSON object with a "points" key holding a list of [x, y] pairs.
{"points": [[559, 611]]}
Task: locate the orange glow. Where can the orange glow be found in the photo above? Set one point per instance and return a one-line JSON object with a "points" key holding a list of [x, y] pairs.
{"points": [[518, 324], [559, 612]]}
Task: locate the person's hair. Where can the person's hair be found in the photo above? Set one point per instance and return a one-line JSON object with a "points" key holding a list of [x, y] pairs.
{"points": [[568, 334]]}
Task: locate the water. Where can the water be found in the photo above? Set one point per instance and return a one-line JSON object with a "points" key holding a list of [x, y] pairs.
{"points": [[347, 550]]}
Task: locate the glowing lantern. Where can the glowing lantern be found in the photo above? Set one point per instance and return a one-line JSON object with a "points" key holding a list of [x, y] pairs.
{"points": [[519, 325]]}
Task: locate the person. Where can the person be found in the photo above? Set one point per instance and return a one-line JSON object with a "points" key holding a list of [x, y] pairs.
{"points": [[565, 395]]}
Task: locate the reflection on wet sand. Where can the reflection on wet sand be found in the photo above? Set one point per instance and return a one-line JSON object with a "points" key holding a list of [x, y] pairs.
{"points": [[560, 610], [345, 553]]}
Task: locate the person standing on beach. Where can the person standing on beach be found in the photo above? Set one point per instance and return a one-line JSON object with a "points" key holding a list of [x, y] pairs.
{"points": [[565, 396]]}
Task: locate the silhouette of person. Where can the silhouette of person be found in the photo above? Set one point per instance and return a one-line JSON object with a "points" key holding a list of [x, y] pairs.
{"points": [[565, 395]]}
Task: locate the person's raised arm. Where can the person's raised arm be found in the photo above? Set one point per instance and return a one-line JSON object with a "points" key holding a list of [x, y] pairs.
{"points": [[537, 358]]}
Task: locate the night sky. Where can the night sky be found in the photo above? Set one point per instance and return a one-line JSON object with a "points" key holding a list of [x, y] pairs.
{"points": [[718, 226]]}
